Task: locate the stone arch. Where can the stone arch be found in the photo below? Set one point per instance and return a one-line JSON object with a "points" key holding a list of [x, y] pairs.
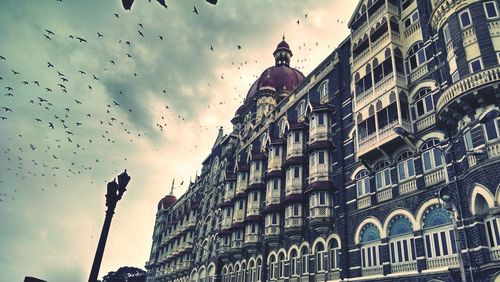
{"points": [[393, 214], [434, 134], [482, 200], [318, 240], [333, 236], [293, 247], [367, 220], [423, 208], [272, 254], [194, 275]]}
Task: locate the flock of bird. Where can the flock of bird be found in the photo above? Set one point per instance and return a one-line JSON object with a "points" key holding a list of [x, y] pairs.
{"points": [[63, 113]]}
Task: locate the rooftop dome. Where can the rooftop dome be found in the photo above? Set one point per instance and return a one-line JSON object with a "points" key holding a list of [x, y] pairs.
{"points": [[284, 77], [167, 202]]}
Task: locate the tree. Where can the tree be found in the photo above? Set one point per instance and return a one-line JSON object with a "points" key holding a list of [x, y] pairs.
{"points": [[126, 274]]}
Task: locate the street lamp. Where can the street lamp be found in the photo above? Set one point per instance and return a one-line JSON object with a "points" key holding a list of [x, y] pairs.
{"points": [[114, 193]]}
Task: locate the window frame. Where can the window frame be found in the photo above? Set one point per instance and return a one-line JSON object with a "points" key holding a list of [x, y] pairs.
{"points": [[496, 126], [474, 61], [495, 6], [462, 26]]}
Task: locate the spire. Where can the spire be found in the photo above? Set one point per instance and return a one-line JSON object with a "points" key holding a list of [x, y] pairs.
{"points": [[283, 36], [282, 54], [172, 188]]}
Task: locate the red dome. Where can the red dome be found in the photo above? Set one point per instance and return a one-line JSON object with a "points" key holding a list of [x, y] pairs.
{"points": [[267, 82], [283, 77], [167, 202], [283, 46]]}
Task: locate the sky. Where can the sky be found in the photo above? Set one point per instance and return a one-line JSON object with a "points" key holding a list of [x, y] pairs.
{"points": [[73, 114]]}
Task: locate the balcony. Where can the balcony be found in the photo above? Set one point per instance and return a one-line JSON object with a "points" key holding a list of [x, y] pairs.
{"points": [[241, 186], [252, 238], [274, 162], [239, 215], [494, 28], [228, 195], [293, 186], [256, 177], [381, 137], [407, 186], [318, 133], [493, 150], [444, 262], [425, 122], [253, 208], [320, 172], [226, 222], [295, 150], [442, 11], [370, 271], [320, 212], [419, 72], [272, 230], [411, 30], [384, 195], [364, 202], [495, 254], [381, 87], [293, 222], [236, 244], [434, 177], [469, 36], [472, 83]]}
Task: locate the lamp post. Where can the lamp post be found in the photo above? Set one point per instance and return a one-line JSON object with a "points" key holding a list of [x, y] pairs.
{"points": [[114, 193]]}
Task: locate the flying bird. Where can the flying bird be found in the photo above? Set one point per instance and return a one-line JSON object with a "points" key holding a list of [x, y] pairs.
{"points": [[211, 47], [95, 77], [49, 65], [162, 2], [140, 33], [48, 37], [99, 35], [36, 82], [14, 72], [9, 94], [82, 40], [195, 10], [3, 118], [6, 109], [51, 125], [9, 88], [140, 25], [2, 58], [60, 73], [161, 37], [82, 72], [116, 15], [49, 32]]}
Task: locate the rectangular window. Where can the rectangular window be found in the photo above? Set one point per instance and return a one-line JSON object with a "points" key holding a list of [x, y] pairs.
{"points": [[321, 157], [465, 19], [493, 233], [241, 205], [274, 219], [276, 151], [468, 141], [491, 9], [405, 4], [255, 196], [322, 198], [491, 130], [296, 136], [446, 33], [296, 172], [363, 186], [383, 178], [275, 184], [476, 65], [321, 119], [257, 166], [243, 176], [413, 18], [455, 77], [295, 209]]}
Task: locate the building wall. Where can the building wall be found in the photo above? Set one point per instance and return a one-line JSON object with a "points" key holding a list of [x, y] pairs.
{"points": [[322, 187]]}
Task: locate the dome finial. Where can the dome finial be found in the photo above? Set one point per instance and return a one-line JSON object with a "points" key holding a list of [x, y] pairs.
{"points": [[172, 188], [283, 36]]}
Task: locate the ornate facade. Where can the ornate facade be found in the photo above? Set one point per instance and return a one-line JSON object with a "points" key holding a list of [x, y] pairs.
{"points": [[336, 175]]}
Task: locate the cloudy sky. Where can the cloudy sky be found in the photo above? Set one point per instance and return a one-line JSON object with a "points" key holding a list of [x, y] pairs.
{"points": [[153, 107]]}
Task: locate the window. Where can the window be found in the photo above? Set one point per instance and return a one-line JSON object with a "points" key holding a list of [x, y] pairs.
{"points": [[321, 157], [296, 137], [465, 19], [320, 257], [334, 254], [323, 89], [446, 33], [416, 56], [243, 176], [455, 76], [259, 270], [493, 232], [406, 167], [491, 130], [301, 108], [405, 4], [257, 166], [383, 178], [241, 204], [294, 263], [272, 267], [305, 260], [469, 146], [276, 184], [322, 198], [424, 102], [401, 241], [411, 19], [282, 261], [321, 119], [363, 183], [296, 209], [370, 240], [255, 196], [476, 65], [296, 171], [276, 151], [432, 157], [439, 237], [491, 9], [274, 218]]}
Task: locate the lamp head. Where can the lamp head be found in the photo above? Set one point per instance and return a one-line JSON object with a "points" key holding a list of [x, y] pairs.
{"points": [[445, 195], [401, 131], [123, 180]]}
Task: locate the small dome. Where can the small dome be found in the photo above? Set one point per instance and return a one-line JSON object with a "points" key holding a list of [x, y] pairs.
{"points": [[267, 83], [283, 45], [167, 202]]}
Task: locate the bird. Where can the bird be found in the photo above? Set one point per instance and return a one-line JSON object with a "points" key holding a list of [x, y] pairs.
{"points": [[9, 88], [195, 10], [82, 72], [140, 33], [161, 37], [2, 58], [211, 47], [298, 21], [3, 118], [60, 73], [49, 65], [111, 61], [305, 16], [78, 102], [82, 40], [49, 32], [162, 2], [9, 94], [25, 83], [95, 77], [36, 82], [127, 43], [51, 125], [99, 35], [71, 36], [48, 89], [116, 15], [15, 72], [239, 47], [38, 120], [48, 37], [78, 123], [140, 25], [116, 104], [64, 79], [6, 109], [129, 56]]}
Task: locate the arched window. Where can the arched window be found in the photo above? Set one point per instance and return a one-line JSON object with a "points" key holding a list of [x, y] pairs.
{"points": [[320, 257], [423, 103], [416, 56], [405, 165], [383, 175], [224, 274], [401, 244], [304, 260], [294, 263], [230, 273], [439, 237], [431, 157], [237, 271], [362, 183], [334, 254], [323, 89], [282, 261], [259, 269], [301, 108], [273, 267], [371, 258], [243, 273], [282, 127]]}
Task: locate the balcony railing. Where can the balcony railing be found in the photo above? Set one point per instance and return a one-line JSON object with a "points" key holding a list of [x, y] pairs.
{"points": [[369, 271], [382, 136], [272, 230], [274, 163], [252, 238], [495, 254], [320, 212], [426, 122], [434, 177], [236, 244], [442, 262], [293, 186], [319, 172], [295, 150], [384, 195], [318, 133], [364, 202], [291, 222], [469, 36], [442, 10], [493, 150], [412, 29], [494, 28], [253, 208], [273, 199], [407, 186], [419, 72], [467, 84]]}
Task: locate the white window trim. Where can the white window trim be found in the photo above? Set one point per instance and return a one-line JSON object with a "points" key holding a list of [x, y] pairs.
{"points": [[485, 134], [460, 19], [474, 60], [496, 9]]}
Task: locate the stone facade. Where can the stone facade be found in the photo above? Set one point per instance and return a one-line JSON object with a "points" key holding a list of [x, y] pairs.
{"points": [[314, 184]]}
